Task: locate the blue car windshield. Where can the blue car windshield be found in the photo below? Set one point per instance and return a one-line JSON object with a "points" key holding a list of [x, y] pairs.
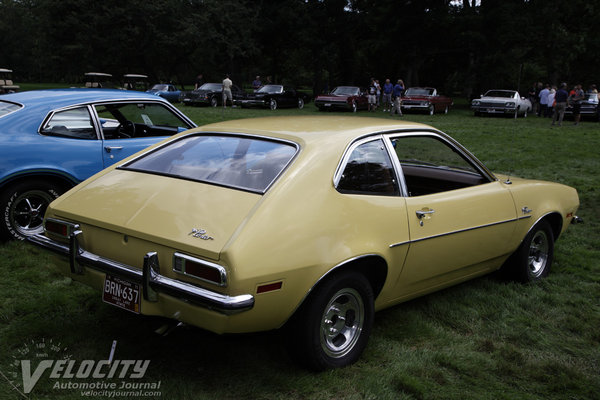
{"points": [[239, 162]]}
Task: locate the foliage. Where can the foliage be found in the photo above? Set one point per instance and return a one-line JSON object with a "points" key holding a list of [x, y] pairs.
{"points": [[484, 339], [458, 46]]}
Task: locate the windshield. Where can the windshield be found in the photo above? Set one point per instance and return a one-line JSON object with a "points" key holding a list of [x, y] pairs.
{"points": [[213, 87], [7, 108], [160, 87], [419, 92], [239, 162], [500, 93], [270, 89], [346, 91]]}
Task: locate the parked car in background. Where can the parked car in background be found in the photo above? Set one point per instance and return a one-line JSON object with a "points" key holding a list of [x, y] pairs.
{"points": [[135, 82], [6, 83], [350, 98], [312, 223], [425, 99], [501, 102], [274, 97], [166, 91], [51, 140], [97, 80], [210, 94], [589, 107]]}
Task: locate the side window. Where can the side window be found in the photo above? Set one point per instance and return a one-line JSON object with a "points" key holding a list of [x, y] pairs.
{"points": [[134, 120], [430, 165], [75, 123], [369, 171]]}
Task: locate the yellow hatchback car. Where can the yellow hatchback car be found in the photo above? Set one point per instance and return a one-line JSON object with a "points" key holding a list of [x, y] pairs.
{"points": [[313, 223]]}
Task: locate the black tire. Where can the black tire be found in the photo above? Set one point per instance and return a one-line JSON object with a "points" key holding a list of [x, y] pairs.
{"points": [[23, 207], [300, 103], [354, 107], [332, 327], [531, 262], [273, 104], [446, 110], [214, 101], [431, 109]]}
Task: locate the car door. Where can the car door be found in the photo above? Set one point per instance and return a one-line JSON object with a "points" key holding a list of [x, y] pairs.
{"points": [[460, 219], [128, 127]]}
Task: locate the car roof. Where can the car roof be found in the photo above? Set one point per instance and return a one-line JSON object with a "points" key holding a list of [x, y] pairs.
{"points": [[313, 130], [57, 98]]}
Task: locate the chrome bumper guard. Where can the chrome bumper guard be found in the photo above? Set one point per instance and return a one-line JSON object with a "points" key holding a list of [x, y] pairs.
{"points": [[576, 220], [149, 277]]}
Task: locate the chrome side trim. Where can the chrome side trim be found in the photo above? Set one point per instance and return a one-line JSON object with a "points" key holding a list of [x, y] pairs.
{"points": [[468, 229], [399, 244], [149, 276]]}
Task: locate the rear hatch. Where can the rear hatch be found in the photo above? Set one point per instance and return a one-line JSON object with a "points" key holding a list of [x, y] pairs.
{"points": [[182, 214]]}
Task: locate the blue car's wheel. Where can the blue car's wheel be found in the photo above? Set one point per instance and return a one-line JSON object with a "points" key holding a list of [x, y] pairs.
{"points": [[23, 207]]}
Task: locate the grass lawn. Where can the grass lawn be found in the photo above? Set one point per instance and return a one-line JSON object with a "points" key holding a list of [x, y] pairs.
{"points": [[485, 339]]}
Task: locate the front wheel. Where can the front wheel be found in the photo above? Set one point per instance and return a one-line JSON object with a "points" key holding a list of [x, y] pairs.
{"points": [[23, 207], [332, 328], [213, 101], [273, 104], [431, 109], [300, 103], [533, 259], [354, 107]]}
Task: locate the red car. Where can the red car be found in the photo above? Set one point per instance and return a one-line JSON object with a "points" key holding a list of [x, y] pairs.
{"points": [[425, 99], [343, 97]]}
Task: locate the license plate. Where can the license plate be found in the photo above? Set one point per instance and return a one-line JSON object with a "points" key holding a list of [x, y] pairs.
{"points": [[121, 293], [327, 104]]}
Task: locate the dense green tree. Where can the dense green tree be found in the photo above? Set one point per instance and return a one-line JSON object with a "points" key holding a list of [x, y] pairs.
{"points": [[462, 46]]}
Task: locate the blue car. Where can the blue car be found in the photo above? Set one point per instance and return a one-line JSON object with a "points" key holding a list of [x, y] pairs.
{"points": [[50, 140], [166, 91]]}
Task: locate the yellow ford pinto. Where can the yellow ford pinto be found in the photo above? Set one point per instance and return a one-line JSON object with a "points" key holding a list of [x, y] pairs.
{"points": [[312, 223]]}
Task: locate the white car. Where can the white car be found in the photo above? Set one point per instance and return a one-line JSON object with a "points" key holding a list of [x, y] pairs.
{"points": [[501, 102]]}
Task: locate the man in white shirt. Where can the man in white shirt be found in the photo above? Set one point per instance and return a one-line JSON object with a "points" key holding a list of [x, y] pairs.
{"points": [[543, 111], [227, 83]]}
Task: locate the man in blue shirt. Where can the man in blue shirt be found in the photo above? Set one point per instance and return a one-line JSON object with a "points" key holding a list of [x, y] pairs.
{"points": [[397, 96], [561, 104], [388, 87]]}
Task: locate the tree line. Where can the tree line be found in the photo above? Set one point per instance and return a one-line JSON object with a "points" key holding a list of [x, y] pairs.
{"points": [[458, 46]]}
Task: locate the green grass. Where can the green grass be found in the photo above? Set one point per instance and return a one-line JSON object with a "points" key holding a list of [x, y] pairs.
{"points": [[485, 339]]}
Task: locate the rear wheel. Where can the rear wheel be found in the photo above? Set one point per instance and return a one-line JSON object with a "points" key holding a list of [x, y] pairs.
{"points": [[23, 207], [213, 101], [332, 328]]}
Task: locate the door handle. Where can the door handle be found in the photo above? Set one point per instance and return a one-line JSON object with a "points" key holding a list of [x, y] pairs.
{"points": [[111, 148], [422, 213]]}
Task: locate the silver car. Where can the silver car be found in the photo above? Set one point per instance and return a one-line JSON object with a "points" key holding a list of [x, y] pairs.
{"points": [[501, 102]]}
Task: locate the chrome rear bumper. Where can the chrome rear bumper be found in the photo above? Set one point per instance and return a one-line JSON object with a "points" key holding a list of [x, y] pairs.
{"points": [[149, 276]]}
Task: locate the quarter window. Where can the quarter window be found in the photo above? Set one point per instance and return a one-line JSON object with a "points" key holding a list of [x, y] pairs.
{"points": [[369, 171], [74, 123]]}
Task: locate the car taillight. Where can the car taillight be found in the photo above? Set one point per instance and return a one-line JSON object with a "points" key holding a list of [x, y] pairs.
{"points": [[200, 269], [60, 228]]}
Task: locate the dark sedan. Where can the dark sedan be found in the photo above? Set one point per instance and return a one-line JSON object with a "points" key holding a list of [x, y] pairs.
{"points": [[343, 97], [274, 97], [210, 94], [425, 99], [589, 107]]}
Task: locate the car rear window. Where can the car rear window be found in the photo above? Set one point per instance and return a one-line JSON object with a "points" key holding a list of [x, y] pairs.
{"points": [[241, 162], [7, 108]]}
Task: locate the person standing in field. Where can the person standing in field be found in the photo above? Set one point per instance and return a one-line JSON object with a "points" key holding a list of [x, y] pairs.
{"points": [[388, 88], [397, 98], [560, 100], [227, 83]]}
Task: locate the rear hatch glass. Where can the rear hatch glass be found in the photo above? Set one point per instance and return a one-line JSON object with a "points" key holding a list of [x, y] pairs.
{"points": [[241, 162]]}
